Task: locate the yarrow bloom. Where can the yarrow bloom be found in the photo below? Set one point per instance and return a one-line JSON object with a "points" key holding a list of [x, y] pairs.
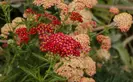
{"points": [[49, 3], [87, 3], [16, 22], [76, 17], [32, 31], [75, 6], [9, 27], [105, 41], [78, 5], [123, 21], [78, 66], [114, 10], [6, 29], [103, 54], [75, 79], [100, 38], [90, 66], [61, 44], [68, 72], [63, 6], [44, 28], [54, 19], [22, 34], [84, 41]]}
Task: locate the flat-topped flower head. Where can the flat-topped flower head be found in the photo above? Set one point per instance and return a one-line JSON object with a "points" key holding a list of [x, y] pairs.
{"points": [[23, 35], [61, 44], [16, 22], [90, 66], [123, 21], [84, 40], [74, 68], [6, 29], [68, 72]]}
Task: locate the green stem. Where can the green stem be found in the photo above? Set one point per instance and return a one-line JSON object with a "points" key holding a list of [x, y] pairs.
{"points": [[47, 72]]}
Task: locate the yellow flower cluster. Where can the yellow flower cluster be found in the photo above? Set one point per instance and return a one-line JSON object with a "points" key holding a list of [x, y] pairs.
{"points": [[123, 21], [103, 54]]}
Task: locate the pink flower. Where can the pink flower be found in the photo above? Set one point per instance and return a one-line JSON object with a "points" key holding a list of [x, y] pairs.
{"points": [[114, 10], [124, 28], [100, 38], [105, 41]]}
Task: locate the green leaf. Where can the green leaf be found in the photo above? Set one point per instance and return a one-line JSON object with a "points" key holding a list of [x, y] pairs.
{"points": [[29, 72], [39, 57], [124, 55]]}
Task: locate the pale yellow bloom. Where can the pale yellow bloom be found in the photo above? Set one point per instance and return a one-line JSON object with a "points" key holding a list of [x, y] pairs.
{"points": [[103, 54], [123, 21], [6, 29], [17, 22]]}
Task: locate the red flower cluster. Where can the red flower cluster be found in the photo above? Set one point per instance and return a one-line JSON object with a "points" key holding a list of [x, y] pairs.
{"points": [[105, 41], [32, 31], [56, 22], [23, 35], [76, 17], [62, 44], [45, 28], [54, 19], [100, 38]]}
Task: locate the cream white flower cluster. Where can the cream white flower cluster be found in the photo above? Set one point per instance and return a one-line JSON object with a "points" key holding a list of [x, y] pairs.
{"points": [[123, 21], [73, 68]]}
